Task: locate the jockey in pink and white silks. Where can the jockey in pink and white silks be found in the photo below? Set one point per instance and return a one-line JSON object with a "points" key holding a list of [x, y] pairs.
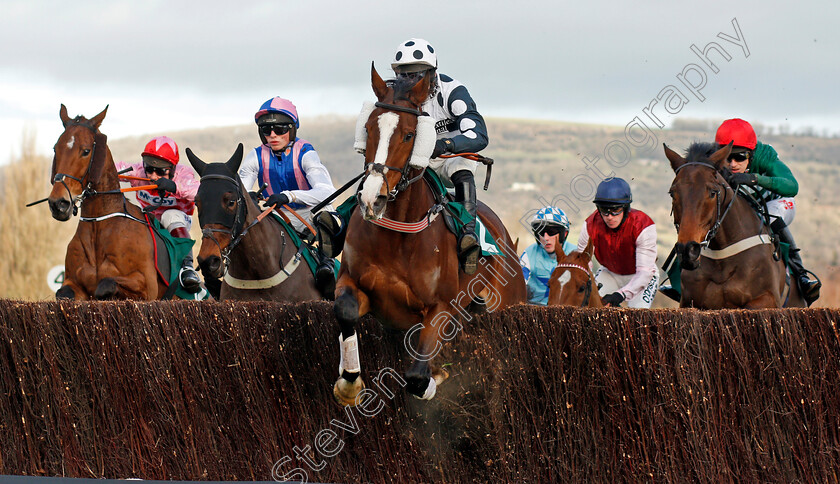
{"points": [[175, 196], [624, 240], [459, 128], [292, 172]]}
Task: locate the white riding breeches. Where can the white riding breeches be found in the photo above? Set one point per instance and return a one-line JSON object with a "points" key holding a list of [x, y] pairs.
{"points": [[611, 282], [174, 219], [785, 208]]}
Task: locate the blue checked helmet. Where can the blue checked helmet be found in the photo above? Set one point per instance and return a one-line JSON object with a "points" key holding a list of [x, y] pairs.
{"points": [[550, 217]]}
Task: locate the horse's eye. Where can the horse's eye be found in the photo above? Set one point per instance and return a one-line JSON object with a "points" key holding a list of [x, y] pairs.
{"points": [[231, 203], [582, 288], [85, 152], [713, 193], [408, 137]]}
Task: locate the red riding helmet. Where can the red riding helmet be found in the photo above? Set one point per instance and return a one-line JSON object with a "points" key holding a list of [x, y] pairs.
{"points": [[740, 132], [162, 148]]}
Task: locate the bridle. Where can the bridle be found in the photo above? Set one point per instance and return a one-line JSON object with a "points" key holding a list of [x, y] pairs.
{"points": [[87, 189], [383, 169], [588, 291], [233, 224], [718, 202]]}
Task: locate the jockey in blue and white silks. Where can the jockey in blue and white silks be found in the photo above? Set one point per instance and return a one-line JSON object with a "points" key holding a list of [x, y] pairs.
{"points": [[292, 169], [550, 227], [293, 173]]}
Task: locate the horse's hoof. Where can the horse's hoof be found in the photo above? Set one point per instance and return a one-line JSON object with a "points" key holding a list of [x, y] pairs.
{"points": [[345, 393], [439, 374]]}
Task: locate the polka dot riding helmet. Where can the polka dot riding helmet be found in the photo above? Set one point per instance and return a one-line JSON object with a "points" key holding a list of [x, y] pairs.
{"points": [[414, 55]]}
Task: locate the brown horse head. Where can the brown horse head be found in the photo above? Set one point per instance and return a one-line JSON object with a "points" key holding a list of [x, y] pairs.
{"points": [[222, 209], [399, 137], [697, 198], [76, 162], [572, 283]]}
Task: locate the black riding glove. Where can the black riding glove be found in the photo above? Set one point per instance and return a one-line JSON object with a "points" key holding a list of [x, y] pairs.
{"points": [[613, 299], [743, 179], [278, 199], [441, 147], [166, 185]]}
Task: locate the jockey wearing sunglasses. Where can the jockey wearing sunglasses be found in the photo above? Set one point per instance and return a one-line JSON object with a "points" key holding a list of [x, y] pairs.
{"points": [[550, 227], [757, 169], [292, 172], [624, 240], [174, 197]]}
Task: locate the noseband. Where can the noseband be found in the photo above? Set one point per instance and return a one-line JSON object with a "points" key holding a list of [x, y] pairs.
{"points": [[87, 189], [383, 169], [718, 202]]}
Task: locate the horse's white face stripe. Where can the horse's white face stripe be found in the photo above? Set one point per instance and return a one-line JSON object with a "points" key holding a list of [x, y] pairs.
{"points": [[564, 278], [71, 142], [387, 125], [370, 189]]}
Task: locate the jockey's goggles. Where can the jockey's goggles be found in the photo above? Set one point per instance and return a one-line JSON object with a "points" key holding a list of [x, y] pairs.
{"points": [[551, 231], [743, 156], [279, 129], [611, 211], [412, 76], [158, 171]]}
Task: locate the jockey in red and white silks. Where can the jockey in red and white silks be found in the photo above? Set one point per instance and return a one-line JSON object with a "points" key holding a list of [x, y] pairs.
{"points": [[627, 257]]}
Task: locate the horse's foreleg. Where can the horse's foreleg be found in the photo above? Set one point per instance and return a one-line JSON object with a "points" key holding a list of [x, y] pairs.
{"points": [[421, 377], [350, 305], [71, 290], [132, 286]]}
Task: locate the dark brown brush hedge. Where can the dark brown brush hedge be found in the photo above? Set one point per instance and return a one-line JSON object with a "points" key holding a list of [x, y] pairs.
{"points": [[180, 390]]}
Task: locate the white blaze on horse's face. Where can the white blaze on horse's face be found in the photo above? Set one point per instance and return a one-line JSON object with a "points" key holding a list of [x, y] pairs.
{"points": [[71, 142], [564, 278], [372, 185]]}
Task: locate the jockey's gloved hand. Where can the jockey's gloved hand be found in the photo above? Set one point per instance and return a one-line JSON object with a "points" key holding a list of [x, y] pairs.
{"points": [[278, 199], [613, 299], [743, 179], [166, 185], [256, 197], [441, 147]]}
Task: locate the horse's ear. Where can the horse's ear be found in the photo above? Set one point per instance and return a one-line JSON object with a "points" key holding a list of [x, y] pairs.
{"points": [[590, 248], [197, 164], [720, 156], [63, 114], [235, 160], [97, 120], [420, 91], [674, 157], [379, 86]]}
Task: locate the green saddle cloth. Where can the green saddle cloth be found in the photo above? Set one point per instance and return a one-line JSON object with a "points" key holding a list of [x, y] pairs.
{"points": [[459, 215], [309, 253], [177, 248]]}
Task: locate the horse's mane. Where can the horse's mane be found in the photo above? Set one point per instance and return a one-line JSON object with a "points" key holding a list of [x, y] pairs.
{"points": [[699, 152]]}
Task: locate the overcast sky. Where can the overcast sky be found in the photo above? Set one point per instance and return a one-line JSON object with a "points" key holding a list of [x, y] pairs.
{"points": [[174, 65]]}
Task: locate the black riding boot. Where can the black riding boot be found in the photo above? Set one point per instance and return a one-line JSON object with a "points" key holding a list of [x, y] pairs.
{"points": [[468, 248], [810, 289], [187, 276], [325, 276], [330, 233]]}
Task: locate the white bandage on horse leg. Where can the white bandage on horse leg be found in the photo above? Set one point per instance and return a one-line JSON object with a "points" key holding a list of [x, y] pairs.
{"points": [[349, 355], [431, 390], [360, 141], [424, 142]]}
